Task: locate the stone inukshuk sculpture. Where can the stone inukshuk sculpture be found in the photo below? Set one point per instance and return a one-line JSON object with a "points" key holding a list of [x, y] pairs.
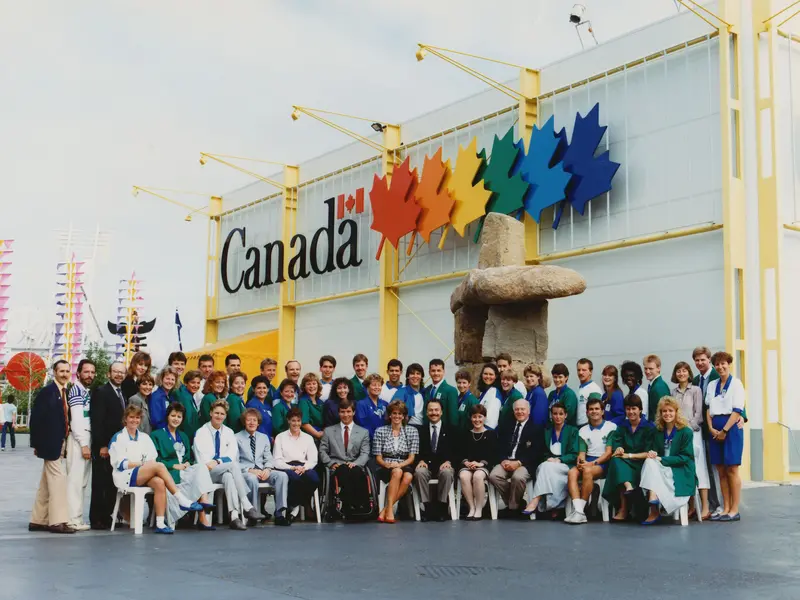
{"points": [[502, 305]]}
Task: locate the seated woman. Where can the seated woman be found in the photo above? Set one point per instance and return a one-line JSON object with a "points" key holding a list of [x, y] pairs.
{"points": [[186, 396], [237, 383], [489, 394], [668, 472], [216, 388], [411, 394], [395, 447], [141, 399], [133, 458], [175, 453], [341, 389], [215, 446], [261, 401], [287, 392], [479, 449], [166, 381], [561, 441], [295, 454], [311, 405], [631, 440], [370, 411], [690, 400]]}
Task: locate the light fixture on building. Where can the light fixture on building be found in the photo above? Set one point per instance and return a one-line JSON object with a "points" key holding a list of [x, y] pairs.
{"points": [[420, 53], [379, 127], [577, 17], [295, 115]]}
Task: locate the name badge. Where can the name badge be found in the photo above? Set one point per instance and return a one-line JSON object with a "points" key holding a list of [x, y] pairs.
{"points": [[527, 444]]}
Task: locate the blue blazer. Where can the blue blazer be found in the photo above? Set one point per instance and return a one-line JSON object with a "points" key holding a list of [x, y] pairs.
{"points": [[158, 408], [48, 425], [537, 398], [406, 394]]}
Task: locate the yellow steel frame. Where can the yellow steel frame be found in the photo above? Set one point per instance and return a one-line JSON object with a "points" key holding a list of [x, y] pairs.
{"points": [[388, 306], [212, 262], [770, 235], [528, 117], [286, 308]]}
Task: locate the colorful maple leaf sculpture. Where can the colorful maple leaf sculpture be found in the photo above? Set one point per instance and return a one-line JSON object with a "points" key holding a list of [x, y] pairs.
{"points": [[591, 175], [548, 181], [502, 177], [434, 198], [467, 189], [394, 208]]}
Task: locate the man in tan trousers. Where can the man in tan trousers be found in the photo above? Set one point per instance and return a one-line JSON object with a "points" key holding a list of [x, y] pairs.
{"points": [[49, 429]]}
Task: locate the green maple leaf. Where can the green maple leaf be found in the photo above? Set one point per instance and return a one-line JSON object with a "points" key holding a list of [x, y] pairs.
{"points": [[501, 177]]}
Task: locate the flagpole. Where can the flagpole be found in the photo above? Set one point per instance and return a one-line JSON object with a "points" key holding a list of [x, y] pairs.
{"points": [[178, 326]]}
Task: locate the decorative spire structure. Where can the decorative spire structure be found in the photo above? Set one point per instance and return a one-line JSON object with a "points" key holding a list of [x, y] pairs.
{"points": [[68, 337], [129, 327], [5, 287]]}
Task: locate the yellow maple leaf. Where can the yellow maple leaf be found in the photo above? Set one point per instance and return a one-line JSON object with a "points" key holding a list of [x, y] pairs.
{"points": [[470, 196]]}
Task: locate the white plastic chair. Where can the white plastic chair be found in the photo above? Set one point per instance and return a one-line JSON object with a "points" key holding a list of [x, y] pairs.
{"points": [[451, 501], [317, 507], [491, 493], [682, 514], [602, 503], [138, 495], [409, 499]]}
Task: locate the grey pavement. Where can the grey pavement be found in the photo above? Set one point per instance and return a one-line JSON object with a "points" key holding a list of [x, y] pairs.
{"points": [[756, 558]]}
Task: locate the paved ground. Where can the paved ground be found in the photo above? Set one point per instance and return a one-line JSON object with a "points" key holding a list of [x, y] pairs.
{"points": [[758, 558]]}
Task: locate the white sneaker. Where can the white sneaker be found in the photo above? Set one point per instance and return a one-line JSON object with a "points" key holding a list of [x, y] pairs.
{"points": [[80, 526], [576, 518]]}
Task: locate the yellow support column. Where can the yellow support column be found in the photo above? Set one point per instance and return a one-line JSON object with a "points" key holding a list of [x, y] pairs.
{"points": [[528, 115], [286, 309], [733, 198], [212, 266], [770, 237], [388, 305]]}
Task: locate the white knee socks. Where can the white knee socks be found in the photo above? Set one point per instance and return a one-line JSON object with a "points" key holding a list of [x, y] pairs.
{"points": [[579, 505]]}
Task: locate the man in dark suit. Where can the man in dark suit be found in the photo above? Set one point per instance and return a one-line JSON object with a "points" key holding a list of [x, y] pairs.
{"points": [[437, 447], [49, 429], [521, 446], [105, 412]]}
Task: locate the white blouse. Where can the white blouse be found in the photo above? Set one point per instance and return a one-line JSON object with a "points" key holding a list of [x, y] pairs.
{"points": [[294, 449], [728, 400]]}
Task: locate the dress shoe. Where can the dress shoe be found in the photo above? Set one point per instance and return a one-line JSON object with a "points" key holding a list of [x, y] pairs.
{"points": [[254, 514], [282, 521], [60, 528], [441, 517], [100, 526], [164, 530], [237, 525], [201, 527], [37, 527]]}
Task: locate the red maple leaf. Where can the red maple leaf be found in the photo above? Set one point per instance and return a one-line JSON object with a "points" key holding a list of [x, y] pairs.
{"points": [[394, 208]]}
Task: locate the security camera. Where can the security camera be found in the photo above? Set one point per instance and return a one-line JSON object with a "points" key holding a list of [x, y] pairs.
{"points": [[576, 14]]}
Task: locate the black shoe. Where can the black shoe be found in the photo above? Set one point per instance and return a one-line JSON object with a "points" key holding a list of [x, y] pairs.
{"points": [[101, 526], [441, 513], [282, 522], [504, 513], [37, 527], [267, 516]]}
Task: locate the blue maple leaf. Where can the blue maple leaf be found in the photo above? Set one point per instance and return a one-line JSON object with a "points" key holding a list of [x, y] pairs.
{"points": [[547, 178], [592, 174]]}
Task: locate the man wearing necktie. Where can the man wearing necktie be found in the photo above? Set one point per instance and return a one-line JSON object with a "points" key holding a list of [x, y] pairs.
{"points": [[255, 460], [49, 429], [706, 374], [436, 455], [521, 445], [105, 414]]}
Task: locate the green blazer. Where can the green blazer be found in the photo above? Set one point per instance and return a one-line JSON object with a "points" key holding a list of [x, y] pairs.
{"points": [[570, 402], [507, 412], [680, 459], [191, 419], [358, 388], [312, 413], [569, 444], [205, 408], [279, 422], [235, 410], [166, 451], [448, 396], [655, 392], [713, 377], [463, 405]]}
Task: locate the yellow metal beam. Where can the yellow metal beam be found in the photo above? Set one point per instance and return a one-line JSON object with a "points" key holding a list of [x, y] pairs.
{"points": [[212, 265], [770, 237], [341, 296], [387, 298], [286, 309], [628, 242], [528, 117], [430, 279]]}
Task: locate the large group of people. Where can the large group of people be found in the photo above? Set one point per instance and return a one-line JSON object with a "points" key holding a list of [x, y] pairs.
{"points": [[362, 442]]}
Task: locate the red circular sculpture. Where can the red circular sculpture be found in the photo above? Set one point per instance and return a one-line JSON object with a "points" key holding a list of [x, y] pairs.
{"points": [[25, 371]]}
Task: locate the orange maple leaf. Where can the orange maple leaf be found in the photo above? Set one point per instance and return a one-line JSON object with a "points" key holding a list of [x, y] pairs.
{"points": [[433, 196], [467, 189], [394, 208]]}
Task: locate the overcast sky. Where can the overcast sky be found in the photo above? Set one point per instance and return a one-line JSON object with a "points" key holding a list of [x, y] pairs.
{"points": [[96, 96]]}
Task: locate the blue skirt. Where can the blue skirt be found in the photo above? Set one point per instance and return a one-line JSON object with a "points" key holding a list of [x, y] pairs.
{"points": [[729, 451]]}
